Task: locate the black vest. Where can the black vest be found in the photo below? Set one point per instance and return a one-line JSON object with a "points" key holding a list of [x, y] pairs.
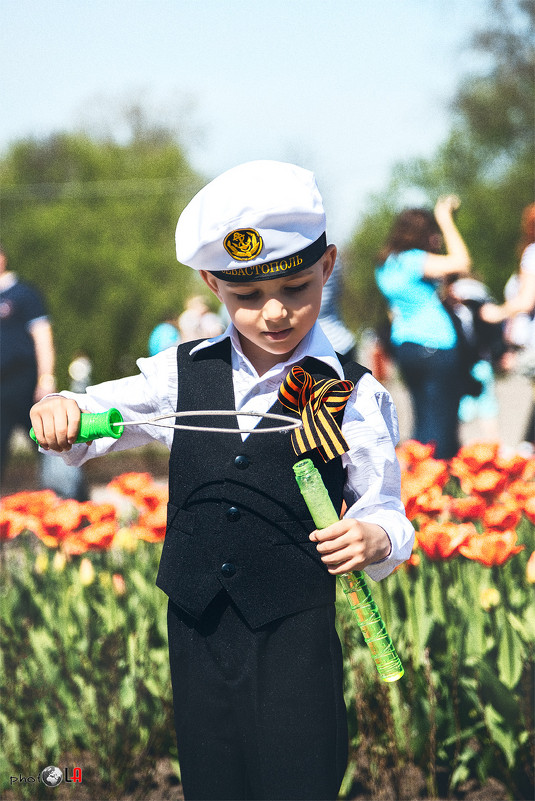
{"points": [[236, 518]]}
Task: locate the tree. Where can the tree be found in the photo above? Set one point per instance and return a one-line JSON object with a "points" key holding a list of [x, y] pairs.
{"points": [[487, 159], [91, 223]]}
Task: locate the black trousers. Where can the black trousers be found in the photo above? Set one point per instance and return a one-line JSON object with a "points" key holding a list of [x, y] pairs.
{"points": [[259, 714]]}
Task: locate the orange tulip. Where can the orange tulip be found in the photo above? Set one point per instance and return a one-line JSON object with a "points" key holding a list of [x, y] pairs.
{"points": [[512, 465], [502, 516], [479, 454], [459, 469], [131, 483], [13, 523], [469, 508], [412, 451], [63, 519], [97, 512], [521, 490], [491, 549], [489, 482], [31, 503], [154, 523], [431, 501], [443, 540], [73, 544], [530, 569], [152, 497], [529, 509], [99, 536]]}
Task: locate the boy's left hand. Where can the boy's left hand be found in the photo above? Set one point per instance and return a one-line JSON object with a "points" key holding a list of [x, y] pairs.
{"points": [[351, 545]]}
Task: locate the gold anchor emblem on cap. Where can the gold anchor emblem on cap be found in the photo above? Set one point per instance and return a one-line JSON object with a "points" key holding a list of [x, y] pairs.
{"points": [[243, 244]]}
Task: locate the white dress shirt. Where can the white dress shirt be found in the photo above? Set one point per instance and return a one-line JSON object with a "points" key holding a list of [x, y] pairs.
{"points": [[370, 427]]}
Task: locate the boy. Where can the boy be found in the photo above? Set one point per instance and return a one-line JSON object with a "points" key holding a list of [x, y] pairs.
{"points": [[256, 664]]}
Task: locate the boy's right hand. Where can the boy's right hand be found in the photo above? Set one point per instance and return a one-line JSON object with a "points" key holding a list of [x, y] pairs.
{"points": [[56, 422]]}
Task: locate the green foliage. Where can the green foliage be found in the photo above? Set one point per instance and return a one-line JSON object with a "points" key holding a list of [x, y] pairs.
{"points": [[84, 670], [464, 709], [91, 224]]}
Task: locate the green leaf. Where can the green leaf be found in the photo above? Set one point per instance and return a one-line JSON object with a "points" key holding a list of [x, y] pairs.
{"points": [[503, 738], [510, 656]]}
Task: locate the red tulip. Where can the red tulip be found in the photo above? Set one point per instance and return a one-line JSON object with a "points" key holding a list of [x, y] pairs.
{"points": [[443, 540]]}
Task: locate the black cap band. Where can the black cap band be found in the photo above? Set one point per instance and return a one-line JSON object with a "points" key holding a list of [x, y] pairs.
{"points": [[278, 268]]}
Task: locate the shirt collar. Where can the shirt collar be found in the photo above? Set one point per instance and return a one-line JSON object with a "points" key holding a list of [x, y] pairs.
{"points": [[315, 344]]}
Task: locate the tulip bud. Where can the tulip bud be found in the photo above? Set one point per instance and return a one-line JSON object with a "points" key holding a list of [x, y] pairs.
{"points": [[489, 597], [119, 584], [105, 579], [41, 563], [125, 540], [59, 561], [530, 569], [87, 572]]}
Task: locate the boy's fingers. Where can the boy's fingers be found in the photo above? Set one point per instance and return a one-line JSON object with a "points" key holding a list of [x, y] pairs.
{"points": [[329, 533], [334, 545], [38, 431], [73, 426], [55, 432]]}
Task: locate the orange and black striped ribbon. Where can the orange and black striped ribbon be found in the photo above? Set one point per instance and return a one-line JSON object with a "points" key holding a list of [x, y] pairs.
{"points": [[316, 402]]}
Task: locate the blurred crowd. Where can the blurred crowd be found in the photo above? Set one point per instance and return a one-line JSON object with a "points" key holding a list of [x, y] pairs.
{"points": [[446, 338]]}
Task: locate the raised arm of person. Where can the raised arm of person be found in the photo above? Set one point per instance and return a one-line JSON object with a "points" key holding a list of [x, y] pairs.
{"points": [[457, 259], [522, 303]]}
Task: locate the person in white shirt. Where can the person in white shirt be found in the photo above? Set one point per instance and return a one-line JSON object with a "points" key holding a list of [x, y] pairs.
{"points": [[519, 310], [256, 663]]}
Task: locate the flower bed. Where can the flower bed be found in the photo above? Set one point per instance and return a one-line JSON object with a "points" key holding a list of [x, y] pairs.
{"points": [[83, 638]]}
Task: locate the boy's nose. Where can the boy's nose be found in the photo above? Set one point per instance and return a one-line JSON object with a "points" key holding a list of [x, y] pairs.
{"points": [[274, 310]]}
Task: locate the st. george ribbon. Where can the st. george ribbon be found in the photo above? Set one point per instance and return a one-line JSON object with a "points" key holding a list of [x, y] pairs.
{"points": [[316, 401]]}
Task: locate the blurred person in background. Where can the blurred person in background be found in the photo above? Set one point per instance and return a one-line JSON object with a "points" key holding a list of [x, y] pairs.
{"points": [[165, 334], [425, 342], [27, 356], [330, 317], [518, 311], [197, 321], [465, 297]]}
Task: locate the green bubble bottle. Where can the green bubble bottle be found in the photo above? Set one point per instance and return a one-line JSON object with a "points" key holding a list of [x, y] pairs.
{"points": [[96, 426], [354, 585]]}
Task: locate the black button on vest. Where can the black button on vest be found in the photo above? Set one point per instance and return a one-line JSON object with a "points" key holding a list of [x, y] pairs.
{"points": [[252, 521]]}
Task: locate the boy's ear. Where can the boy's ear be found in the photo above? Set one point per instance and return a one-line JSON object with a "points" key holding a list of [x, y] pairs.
{"points": [[211, 282], [327, 261]]}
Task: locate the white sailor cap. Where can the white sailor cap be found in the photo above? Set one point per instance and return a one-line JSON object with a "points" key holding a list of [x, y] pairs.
{"points": [[260, 220]]}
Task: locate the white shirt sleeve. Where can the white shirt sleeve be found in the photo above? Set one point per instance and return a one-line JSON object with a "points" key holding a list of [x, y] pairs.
{"points": [[150, 393], [373, 484], [527, 260]]}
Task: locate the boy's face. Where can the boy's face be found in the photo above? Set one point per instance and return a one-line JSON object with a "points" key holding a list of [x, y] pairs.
{"points": [[273, 316]]}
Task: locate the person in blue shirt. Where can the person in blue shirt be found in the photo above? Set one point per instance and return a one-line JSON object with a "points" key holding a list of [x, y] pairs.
{"points": [[164, 335], [424, 339]]}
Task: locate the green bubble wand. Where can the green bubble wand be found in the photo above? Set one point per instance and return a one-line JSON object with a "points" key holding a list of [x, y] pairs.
{"points": [[354, 585], [111, 424]]}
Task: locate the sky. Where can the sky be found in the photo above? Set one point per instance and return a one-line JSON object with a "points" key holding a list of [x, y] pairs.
{"points": [[345, 88]]}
